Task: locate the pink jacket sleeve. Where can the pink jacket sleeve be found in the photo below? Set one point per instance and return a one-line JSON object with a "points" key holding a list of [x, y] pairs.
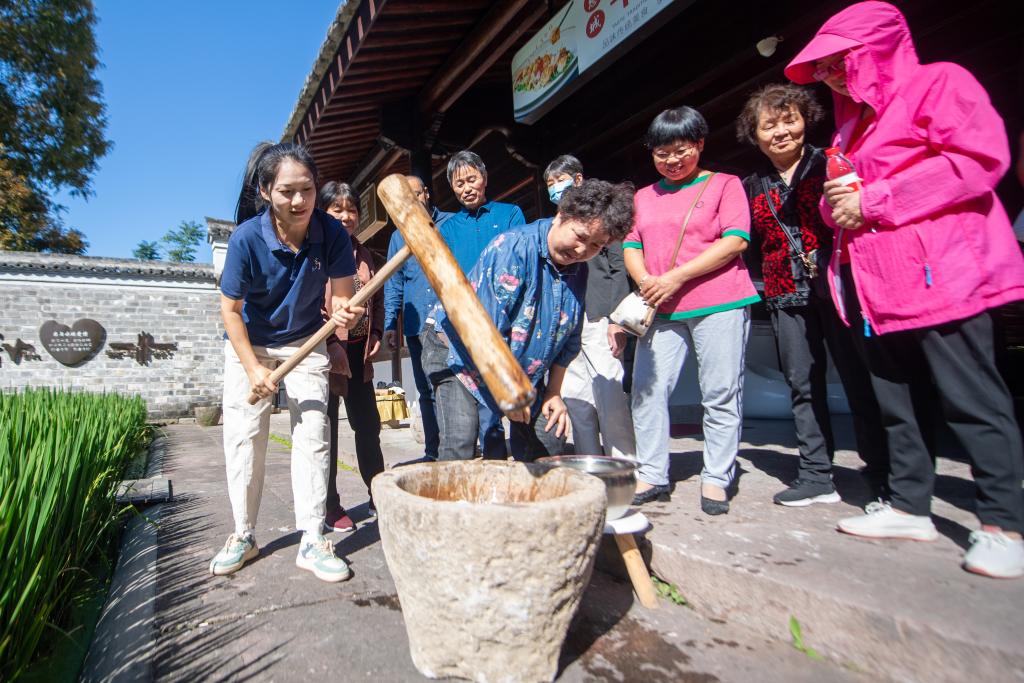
{"points": [[973, 154], [734, 210]]}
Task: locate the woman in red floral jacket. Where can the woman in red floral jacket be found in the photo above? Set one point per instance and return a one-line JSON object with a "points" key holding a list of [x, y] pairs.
{"points": [[793, 246]]}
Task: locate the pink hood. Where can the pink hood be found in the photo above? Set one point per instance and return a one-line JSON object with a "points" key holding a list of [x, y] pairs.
{"points": [[936, 245]]}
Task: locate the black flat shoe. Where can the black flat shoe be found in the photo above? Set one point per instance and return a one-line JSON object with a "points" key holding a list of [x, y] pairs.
{"points": [[662, 494], [714, 507]]}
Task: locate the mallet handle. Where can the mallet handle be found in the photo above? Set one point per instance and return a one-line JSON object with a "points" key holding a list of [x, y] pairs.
{"points": [[505, 378], [360, 299]]}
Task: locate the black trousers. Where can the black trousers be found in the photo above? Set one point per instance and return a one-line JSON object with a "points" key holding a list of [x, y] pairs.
{"points": [[802, 334], [951, 367], [361, 408]]}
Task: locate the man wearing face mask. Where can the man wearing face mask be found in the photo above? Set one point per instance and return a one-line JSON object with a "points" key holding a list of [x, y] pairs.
{"points": [[592, 389], [466, 233]]}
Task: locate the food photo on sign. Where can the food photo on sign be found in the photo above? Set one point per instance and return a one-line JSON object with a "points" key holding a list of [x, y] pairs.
{"points": [[576, 44], [545, 64]]}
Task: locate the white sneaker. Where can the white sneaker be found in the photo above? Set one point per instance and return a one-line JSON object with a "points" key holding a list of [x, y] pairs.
{"points": [[316, 554], [882, 521], [995, 554], [237, 551]]}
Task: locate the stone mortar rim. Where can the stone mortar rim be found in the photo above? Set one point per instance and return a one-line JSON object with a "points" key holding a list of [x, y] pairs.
{"points": [[580, 496]]}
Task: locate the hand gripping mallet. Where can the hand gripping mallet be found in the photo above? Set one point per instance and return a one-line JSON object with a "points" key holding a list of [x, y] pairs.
{"points": [[502, 374]]}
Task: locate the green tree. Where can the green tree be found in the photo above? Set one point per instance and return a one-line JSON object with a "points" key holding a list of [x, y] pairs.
{"points": [[183, 240], [147, 251], [26, 223], [52, 119]]}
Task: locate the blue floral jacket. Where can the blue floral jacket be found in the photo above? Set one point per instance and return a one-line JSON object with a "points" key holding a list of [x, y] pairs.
{"points": [[536, 306]]}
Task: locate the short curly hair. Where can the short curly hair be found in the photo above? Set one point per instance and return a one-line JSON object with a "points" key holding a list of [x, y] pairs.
{"points": [[600, 200], [776, 97]]}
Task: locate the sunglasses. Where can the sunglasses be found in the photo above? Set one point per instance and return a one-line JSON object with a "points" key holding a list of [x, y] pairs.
{"points": [[836, 68]]}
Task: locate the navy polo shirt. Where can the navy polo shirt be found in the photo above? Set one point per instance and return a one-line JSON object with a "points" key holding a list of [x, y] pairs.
{"points": [[283, 291], [468, 232]]}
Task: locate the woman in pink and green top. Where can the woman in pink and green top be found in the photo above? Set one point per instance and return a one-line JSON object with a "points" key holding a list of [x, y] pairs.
{"points": [[702, 299]]}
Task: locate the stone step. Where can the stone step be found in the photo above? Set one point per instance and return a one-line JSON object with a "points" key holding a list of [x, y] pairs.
{"points": [[145, 491], [901, 609]]}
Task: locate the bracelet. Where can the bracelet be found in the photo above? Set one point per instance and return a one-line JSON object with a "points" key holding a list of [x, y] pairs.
{"points": [[643, 279]]}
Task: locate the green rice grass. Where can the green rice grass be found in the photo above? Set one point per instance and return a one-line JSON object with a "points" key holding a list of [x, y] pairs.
{"points": [[62, 456]]}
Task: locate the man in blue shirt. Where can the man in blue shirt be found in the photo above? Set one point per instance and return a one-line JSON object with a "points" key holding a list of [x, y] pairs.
{"points": [[466, 233], [478, 221], [532, 283], [409, 290]]}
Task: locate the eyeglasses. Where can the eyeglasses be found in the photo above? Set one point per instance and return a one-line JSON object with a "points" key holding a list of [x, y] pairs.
{"points": [[679, 153], [824, 72]]}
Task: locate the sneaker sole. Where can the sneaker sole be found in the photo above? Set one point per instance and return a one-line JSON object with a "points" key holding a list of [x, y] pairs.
{"points": [[344, 530], [974, 569], [232, 568], [323, 576], [804, 502], [923, 536]]}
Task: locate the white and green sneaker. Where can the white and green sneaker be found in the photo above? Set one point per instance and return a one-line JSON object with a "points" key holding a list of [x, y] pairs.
{"points": [[236, 552], [316, 554]]}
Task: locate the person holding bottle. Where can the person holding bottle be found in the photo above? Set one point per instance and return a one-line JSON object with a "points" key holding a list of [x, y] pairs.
{"points": [[925, 252]]}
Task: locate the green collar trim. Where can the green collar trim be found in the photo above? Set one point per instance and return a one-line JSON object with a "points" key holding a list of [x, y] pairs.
{"points": [[665, 185]]}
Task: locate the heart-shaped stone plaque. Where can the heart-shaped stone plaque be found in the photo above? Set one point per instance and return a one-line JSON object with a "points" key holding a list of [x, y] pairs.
{"points": [[72, 345]]}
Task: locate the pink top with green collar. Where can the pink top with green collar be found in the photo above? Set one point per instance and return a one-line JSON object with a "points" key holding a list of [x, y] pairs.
{"points": [[721, 212]]}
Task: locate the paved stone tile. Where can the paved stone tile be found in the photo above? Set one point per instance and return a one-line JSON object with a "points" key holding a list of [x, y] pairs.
{"points": [[272, 621]]}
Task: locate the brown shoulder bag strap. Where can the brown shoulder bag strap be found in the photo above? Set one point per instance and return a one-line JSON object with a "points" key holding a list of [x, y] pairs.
{"points": [[675, 252]]}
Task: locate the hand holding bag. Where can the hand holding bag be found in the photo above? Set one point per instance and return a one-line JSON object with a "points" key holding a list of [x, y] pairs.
{"points": [[634, 314]]}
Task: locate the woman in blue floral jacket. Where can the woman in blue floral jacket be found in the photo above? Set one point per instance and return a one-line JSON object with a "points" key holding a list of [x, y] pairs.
{"points": [[532, 281]]}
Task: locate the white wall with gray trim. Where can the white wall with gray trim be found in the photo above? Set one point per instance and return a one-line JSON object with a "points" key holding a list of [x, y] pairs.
{"points": [[178, 304]]}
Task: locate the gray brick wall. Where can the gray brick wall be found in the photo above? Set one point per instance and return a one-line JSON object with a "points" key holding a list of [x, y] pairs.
{"points": [[183, 311]]}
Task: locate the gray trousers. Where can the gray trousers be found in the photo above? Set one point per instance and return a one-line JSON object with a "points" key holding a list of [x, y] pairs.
{"points": [[459, 415], [719, 341]]}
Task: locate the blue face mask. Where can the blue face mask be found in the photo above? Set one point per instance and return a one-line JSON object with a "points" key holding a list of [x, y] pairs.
{"points": [[556, 190]]}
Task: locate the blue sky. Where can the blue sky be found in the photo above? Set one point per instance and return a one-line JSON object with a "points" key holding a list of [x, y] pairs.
{"points": [[190, 87]]}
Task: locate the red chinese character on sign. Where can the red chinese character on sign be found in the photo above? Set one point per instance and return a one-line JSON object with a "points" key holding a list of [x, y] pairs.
{"points": [[591, 5], [595, 24]]}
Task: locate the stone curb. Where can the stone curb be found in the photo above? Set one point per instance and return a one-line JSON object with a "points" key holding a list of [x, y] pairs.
{"points": [[123, 644], [859, 636]]}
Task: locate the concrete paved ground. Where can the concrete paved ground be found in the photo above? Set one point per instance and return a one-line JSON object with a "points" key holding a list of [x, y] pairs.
{"points": [[271, 621], [899, 608]]}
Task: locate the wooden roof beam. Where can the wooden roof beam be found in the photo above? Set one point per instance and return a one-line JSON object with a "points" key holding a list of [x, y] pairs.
{"points": [[476, 54], [429, 7]]}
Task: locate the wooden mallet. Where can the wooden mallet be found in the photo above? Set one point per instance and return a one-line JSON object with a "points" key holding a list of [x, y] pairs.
{"points": [[501, 372]]}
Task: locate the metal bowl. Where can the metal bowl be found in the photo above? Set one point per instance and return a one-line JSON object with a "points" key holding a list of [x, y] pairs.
{"points": [[618, 475]]}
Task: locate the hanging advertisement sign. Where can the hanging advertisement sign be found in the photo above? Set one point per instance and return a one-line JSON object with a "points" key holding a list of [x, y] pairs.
{"points": [[578, 42]]}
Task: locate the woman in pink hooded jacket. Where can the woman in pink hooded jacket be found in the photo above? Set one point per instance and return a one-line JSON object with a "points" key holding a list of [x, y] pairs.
{"points": [[924, 250]]}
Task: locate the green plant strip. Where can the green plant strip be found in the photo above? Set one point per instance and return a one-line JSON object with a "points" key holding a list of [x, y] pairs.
{"points": [[62, 456]]}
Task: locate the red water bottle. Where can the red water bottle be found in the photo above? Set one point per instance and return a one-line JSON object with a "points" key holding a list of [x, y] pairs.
{"points": [[838, 167]]}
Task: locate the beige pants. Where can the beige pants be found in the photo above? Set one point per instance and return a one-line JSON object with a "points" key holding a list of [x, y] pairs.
{"points": [[592, 391], [247, 429]]}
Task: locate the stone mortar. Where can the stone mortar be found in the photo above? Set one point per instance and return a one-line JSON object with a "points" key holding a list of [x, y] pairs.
{"points": [[490, 560]]}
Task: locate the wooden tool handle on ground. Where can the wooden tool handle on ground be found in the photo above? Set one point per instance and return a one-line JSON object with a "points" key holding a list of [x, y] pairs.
{"points": [[638, 573], [501, 372], [360, 299]]}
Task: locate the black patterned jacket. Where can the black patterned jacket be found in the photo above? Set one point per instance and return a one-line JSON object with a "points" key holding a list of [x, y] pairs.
{"points": [[770, 254]]}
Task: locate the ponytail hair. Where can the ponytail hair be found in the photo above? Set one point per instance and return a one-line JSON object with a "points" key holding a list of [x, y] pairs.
{"points": [[261, 170]]}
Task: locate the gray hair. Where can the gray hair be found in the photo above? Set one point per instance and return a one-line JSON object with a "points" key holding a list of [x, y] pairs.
{"points": [[465, 159]]}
